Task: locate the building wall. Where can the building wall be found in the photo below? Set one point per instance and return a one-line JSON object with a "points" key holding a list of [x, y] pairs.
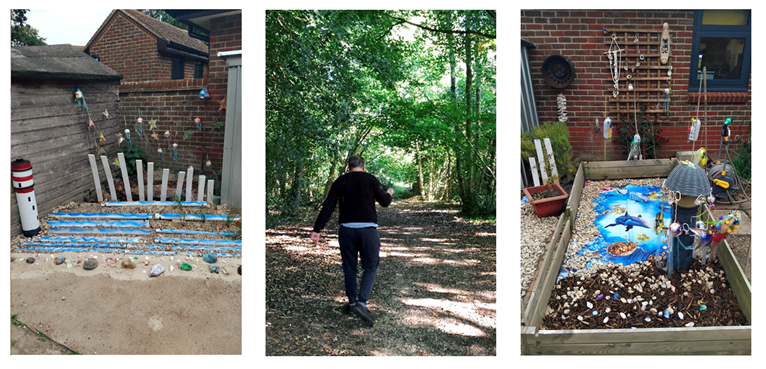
{"points": [[579, 36], [50, 130], [131, 50], [147, 91], [225, 35]]}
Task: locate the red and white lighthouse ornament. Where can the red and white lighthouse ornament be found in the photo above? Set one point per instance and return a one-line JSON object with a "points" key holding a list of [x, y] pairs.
{"points": [[24, 186]]}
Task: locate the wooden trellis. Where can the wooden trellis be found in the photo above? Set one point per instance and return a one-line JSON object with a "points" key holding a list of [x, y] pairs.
{"points": [[649, 80]]}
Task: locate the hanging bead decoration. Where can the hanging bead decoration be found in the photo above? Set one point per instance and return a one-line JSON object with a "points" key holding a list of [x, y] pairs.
{"points": [[614, 56], [561, 101]]}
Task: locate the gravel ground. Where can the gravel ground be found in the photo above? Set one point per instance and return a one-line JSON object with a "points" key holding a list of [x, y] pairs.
{"points": [[535, 232]]}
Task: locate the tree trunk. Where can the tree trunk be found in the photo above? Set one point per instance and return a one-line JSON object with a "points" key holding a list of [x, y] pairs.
{"points": [[419, 162]]}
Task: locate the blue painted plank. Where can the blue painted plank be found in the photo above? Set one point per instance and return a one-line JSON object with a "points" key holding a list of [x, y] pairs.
{"points": [[196, 241], [111, 231], [151, 252], [67, 249], [210, 217], [99, 223], [90, 239], [219, 254], [108, 245], [155, 203], [186, 231], [102, 215], [205, 248]]}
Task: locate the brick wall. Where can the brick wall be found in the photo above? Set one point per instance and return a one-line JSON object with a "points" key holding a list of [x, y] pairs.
{"points": [[147, 91], [225, 35], [578, 35]]}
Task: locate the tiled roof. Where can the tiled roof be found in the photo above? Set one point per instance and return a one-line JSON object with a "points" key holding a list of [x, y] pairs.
{"points": [[157, 27]]}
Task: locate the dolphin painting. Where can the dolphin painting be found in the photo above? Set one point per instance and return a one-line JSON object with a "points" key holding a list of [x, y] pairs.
{"points": [[629, 221]]}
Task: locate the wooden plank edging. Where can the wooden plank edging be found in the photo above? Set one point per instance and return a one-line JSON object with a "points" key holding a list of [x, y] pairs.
{"points": [[550, 250], [552, 272]]}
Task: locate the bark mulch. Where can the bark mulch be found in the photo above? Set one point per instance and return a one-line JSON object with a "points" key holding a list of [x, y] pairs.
{"points": [[721, 304]]}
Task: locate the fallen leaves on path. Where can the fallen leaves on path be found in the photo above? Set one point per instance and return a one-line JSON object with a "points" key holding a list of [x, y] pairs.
{"points": [[434, 293]]}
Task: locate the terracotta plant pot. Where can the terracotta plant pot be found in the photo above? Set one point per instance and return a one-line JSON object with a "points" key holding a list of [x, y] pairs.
{"points": [[548, 206]]}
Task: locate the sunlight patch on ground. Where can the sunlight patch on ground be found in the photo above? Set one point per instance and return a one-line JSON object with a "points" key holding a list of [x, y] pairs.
{"points": [[429, 261], [486, 234], [481, 314], [439, 289], [442, 211], [454, 326], [457, 251], [488, 273], [462, 262], [384, 254], [437, 240]]}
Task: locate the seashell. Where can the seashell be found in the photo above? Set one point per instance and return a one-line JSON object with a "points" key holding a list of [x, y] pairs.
{"points": [[606, 320], [630, 301], [579, 318], [566, 311], [589, 304], [690, 324], [648, 320], [622, 315], [680, 315], [670, 310], [623, 300], [608, 310], [653, 310]]}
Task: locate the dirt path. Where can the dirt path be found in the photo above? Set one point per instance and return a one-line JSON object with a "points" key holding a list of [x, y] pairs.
{"points": [[434, 293]]}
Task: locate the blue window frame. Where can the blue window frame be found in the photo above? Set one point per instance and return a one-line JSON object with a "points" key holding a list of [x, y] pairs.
{"points": [[177, 67], [724, 50]]}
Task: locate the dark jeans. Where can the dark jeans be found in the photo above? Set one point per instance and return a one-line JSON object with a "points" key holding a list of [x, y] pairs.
{"points": [[364, 244]]}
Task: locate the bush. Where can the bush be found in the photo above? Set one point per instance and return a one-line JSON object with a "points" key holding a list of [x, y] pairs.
{"points": [[558, 133], [741, 159], [133, 153], [651, 137]]}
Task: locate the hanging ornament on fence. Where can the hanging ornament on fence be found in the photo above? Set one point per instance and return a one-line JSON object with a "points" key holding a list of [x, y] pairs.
{"points": [[167, 136], [222, 103], [199, 123], [80, 99], [159, 150], [175, 151], [90, 122], [106, 113], [217, 123], [561, 101], [152, 124], [635, 147], [139, 127], [127, 134], [102, 138], [119, 138]]}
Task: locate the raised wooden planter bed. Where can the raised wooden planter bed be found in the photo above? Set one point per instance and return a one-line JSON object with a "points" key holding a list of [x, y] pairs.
{"points": [[734, 340]]}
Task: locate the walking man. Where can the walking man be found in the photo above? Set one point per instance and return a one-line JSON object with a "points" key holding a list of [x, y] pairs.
{"points": [[356, 193]]}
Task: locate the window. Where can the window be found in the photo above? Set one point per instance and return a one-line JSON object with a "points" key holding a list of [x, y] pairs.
{"points": [[198, 68], [721, 43], [177, 67]]}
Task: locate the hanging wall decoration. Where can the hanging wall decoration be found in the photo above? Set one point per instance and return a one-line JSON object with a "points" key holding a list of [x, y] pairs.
{"points": [[175, 152], [223, 103], [199, 123], [665, 44], [203, 94], [561, 101], [188, 134], [127, 134], [161, 153], [139, 128]]}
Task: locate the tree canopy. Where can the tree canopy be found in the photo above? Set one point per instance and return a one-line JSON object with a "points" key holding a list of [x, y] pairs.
{"points": [[413, 92], [23, 34]]}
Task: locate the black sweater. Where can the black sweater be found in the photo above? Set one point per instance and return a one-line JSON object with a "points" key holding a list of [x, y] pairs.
{"points": [[356, 192]]}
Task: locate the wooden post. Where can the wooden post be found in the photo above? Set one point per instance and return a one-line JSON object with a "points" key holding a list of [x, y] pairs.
{"points": [[108, 172], [551, 159], [533, 166], [201, 188], [125, 178], [210, 186], [140, 173], [164, 191], [96, 179], [179, 184], [150, 181], [189, 178], [541, 160]]}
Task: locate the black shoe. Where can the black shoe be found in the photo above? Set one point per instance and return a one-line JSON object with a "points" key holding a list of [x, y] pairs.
{"points": [[346, 309], [363, 313]]}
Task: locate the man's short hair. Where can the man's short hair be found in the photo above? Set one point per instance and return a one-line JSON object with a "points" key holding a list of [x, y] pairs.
{"points": [[355, 161]]}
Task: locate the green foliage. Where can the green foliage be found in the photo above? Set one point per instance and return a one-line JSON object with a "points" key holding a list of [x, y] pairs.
{"points": [[13, 316], [133, 153], [742, 159], [558, 133], [651, 137], [23, 34]]}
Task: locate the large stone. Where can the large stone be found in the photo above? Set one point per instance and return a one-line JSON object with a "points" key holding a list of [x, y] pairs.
{"points": [[90, 264], [127, 263]]}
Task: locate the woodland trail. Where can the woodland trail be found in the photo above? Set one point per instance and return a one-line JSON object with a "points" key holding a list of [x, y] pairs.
{"points": [[434, 295]]}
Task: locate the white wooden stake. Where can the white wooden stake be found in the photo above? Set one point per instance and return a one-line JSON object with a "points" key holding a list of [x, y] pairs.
{"points": [[179, 184], [534, 171], [108, 172], [150, 181], [140, 170], [125, 178], [210, 183], [201, 187], [189, 178], [551, 159], [541, 160], [96, 179], [164, 191]]}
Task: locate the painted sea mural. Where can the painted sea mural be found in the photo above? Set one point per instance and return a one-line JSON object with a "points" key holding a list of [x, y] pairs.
{"points": [[626, 226]]}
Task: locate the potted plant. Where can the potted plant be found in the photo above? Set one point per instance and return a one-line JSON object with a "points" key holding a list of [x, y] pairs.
{"points": [[548, 199]]}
